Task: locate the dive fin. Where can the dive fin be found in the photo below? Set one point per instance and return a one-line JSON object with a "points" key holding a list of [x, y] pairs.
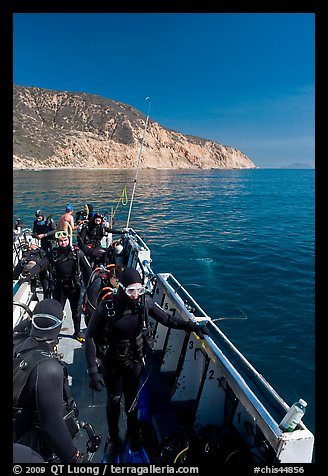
{"points": [[136, 455]]}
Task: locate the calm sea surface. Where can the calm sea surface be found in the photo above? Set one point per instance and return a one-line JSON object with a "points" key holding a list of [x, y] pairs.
{"points": [[241, 242]]}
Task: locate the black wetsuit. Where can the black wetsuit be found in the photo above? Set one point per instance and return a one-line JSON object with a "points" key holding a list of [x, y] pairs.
{"points": [[46, 227], [82, 216], [41, 404], [89, 240], [92, 234], [33, 255], [120, 323], [70, 272], [90, 298], [68, 284]]}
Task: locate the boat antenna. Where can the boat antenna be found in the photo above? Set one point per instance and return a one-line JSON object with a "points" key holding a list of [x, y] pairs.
{"points": [[136, 177]]}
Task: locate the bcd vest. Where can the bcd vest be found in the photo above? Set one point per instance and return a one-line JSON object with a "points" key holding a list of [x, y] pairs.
{"points": [[124, 349], [74, 279]]}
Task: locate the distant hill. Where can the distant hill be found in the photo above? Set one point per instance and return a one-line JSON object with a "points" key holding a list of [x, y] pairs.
{"points": [[298, 165], [67, 129]]}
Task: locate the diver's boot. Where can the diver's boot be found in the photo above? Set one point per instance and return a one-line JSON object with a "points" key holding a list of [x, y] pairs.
{"points": [[79, 336]]}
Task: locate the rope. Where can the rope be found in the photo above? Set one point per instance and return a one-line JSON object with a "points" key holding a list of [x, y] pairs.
{"points": [[123, 199], [179, 454]]}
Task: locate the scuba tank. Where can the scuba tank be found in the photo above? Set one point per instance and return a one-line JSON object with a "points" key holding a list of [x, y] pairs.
{"points": [[118, 254]]}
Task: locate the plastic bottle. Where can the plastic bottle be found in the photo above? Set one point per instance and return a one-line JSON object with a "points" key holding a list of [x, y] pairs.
{"points": [[293, 416]]}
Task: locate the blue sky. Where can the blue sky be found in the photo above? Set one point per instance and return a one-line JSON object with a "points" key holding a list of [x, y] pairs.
{"points": [[241, 79]]}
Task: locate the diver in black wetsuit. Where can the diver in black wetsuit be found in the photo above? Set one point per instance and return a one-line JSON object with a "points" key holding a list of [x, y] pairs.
{"points": [[93, 231], [39, 390], [30, 258], [90, 236], [44, 229], [115, 329], [70, 273], [83, 216]]}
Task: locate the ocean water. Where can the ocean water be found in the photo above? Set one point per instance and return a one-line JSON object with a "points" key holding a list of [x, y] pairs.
{"points": [[240, 241]]}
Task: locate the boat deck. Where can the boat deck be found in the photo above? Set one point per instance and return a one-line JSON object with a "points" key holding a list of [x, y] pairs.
{"points": [[91, 404], [192, 386]]}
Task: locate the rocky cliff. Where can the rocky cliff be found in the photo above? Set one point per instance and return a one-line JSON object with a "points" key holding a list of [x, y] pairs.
{"points": [[65, 129]]}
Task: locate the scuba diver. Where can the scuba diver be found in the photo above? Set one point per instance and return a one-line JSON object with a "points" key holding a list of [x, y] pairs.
{"points": [[44, 229], [41, 392], [70, 271], [33, 255], [114, 337], [83, 216], [91, 235], [93, 231]]}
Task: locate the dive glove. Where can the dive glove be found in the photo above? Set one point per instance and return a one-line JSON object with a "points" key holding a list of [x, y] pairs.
{"points": [[96, 380], [200, 330]]}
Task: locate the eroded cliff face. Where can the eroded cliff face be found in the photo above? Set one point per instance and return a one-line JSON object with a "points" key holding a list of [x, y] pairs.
{"points": [[63, 129]]}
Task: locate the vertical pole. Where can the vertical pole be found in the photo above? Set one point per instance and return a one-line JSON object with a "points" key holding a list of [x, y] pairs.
{"points": [[136, 177]]}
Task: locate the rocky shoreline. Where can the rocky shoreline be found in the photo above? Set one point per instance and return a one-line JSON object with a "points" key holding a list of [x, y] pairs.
{"points": [[59, 129]]}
